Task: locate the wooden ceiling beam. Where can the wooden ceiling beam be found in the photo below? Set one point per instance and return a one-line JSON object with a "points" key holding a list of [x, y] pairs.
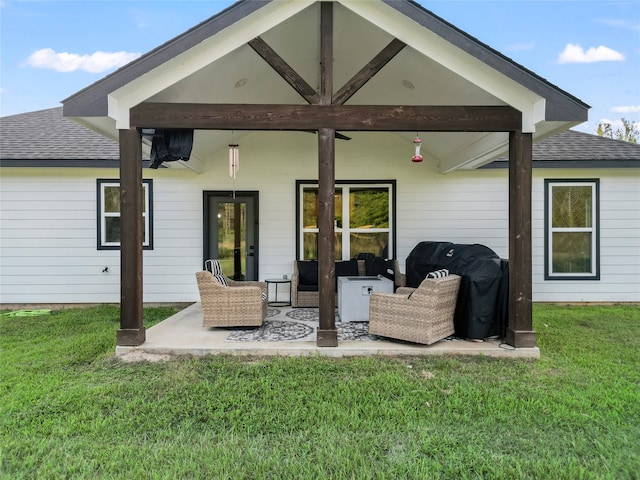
{"points": [[326, 53], [368, 71], [339, 117], [283, 69]]}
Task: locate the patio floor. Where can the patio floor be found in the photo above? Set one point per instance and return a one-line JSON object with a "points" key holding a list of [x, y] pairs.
{"points": [[183, 334]]}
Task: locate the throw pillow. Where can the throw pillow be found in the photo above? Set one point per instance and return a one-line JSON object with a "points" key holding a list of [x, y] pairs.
{"points": [[308, 272], [213, 265], [378, 266], [347, 268], [438, 273], [221, 279]]}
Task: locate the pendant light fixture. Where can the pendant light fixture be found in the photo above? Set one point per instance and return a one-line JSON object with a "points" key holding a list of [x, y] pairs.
{"points": [[417, 143]]}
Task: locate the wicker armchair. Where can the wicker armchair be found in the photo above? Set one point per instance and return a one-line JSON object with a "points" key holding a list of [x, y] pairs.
{"points": [[240, 304], [421, 315]]}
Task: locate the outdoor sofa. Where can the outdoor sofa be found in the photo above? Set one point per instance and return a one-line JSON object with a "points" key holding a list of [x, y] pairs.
{"points": [[304, 281]]}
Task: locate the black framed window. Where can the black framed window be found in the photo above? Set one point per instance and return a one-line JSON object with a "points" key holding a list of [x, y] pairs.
{"points": [[572, 229], [108, 204], [364, 219]]}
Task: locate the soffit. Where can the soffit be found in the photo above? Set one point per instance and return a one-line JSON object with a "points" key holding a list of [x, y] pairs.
{"points": [[429, 71]]}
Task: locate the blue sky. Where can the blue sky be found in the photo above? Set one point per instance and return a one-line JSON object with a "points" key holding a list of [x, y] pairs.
{"points": [[52, 49]]}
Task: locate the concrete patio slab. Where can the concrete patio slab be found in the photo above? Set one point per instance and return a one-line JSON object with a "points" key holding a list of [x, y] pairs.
{"points": [[183, 334]]}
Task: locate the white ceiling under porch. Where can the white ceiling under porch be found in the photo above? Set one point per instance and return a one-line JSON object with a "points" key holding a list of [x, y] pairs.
{"points": [[440, 66]]}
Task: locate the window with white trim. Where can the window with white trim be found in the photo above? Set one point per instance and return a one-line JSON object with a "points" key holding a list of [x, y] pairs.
{"points": [[364, 219], [109, 214], [572, 230]]}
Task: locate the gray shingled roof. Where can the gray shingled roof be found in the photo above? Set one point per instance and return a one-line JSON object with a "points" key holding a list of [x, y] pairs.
{"points": [[572, 145], [578, 149], [45, 135], [46, 138]]}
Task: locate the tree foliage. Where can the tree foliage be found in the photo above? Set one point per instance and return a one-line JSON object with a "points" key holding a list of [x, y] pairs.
{"points": [[628, 133]]}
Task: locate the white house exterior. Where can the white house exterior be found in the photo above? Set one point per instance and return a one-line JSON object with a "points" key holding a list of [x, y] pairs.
{"points": [[319, 96], [49, 214]]}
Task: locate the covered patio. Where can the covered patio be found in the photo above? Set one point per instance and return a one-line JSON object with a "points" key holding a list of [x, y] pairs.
{"points": [[183, 334], [327, 68]]}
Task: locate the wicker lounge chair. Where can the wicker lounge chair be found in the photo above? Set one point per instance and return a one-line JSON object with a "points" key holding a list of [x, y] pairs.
{"points": [[421, 315], [238, 304]]}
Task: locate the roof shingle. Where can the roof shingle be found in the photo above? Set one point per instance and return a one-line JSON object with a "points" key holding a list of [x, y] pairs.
{"points": [[573, 145], [572, 149], [47, 135]]}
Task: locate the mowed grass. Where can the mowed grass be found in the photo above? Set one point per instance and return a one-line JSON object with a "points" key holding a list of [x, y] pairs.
{"points": [[69, 409]]}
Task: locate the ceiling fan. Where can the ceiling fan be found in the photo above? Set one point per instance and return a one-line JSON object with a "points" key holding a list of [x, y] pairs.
{"points": [[339, 135]]}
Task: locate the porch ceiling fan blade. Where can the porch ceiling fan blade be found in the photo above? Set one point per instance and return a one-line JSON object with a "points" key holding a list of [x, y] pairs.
{"points": [[338, 135]]}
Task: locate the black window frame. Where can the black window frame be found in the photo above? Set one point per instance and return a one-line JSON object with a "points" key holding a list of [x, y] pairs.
{"points": [[373, 184], [148, 245], [588, 276]]}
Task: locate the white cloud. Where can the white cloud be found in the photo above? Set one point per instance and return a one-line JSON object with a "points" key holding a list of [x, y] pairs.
{"points": [[626, 109], [70, 62], [576, 54], [618, 125], [620, 23]]}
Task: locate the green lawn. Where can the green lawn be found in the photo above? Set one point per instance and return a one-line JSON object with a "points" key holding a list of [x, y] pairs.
{"points": [[69, 409]]}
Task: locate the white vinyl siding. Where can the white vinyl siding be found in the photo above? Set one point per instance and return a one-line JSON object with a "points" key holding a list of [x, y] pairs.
{"points": [[48, 219], [619, 239]]}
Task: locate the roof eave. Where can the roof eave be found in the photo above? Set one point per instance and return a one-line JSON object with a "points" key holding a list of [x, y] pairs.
{"points": [[572, 164], [560, 105], [92, 101]]}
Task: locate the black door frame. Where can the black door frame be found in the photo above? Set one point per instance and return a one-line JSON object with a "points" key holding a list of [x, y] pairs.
{"points": [[231, 194]]}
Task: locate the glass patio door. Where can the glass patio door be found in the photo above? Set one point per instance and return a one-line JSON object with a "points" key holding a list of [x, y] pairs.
{"points": [[231, 235]]}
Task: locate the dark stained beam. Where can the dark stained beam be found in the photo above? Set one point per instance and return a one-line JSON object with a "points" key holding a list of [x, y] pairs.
{"points": [[327, 335], [326, 52], [520, 326], [132, 331], [368, 71], [283, 69], [338, 117]]}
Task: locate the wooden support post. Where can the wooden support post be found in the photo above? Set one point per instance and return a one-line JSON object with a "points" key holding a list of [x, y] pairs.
{"points": [[520, 328], [327, 335], [132, 331], [327, 332]]}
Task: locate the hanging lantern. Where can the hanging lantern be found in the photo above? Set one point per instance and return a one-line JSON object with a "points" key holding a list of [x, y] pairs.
{"points": [[417, 158], [234, 160]]}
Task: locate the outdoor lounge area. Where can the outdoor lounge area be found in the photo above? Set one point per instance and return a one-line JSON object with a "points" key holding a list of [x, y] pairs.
{"points": [[291, 331], [237, 318], [329, 132]]}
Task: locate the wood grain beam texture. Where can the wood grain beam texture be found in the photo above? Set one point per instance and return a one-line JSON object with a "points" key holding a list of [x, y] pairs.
{"points": [[132, 331], [327, 335], [390, 118]]}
